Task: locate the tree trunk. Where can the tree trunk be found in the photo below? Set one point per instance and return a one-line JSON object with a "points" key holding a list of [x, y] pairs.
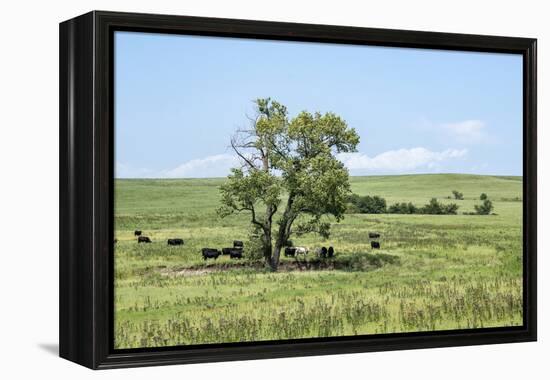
{"points": [[283, 234], [279, 243], [267, 247], [276, 257]]}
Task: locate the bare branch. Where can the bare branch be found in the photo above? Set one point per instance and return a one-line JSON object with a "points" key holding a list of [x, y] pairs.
{"points": [[253, 212], [242, 156]]}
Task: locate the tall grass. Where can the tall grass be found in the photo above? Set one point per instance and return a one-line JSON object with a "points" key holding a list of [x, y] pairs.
{"points": [[432, 273]]}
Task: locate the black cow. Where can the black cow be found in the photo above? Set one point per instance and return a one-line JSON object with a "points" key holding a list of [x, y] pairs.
{"points": [[175, 241], [236, 253], [237, 243], [290, 251], [322, 252], [137, 233], [144, 239], [115, 241], [210, 253], [375, 245], [374, 235], [330, 252], [233, 252]]}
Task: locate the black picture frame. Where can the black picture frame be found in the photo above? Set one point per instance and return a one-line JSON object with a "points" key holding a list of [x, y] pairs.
{"points": [[86, 188]]}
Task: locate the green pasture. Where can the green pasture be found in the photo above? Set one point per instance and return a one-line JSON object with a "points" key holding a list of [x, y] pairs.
{"points": [[433, 272]]}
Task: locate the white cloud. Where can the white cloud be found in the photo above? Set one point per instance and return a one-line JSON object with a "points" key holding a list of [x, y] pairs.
{"points": [[219, 165], [468, 131], [211, 166], [207, 167], [401, 160]]}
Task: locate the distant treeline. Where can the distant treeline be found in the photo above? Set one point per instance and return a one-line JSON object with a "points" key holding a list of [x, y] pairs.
{"points": [[367, 204], [377, 205]]}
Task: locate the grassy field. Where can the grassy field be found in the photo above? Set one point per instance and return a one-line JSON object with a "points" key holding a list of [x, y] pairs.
{"points": [[433, 272]]}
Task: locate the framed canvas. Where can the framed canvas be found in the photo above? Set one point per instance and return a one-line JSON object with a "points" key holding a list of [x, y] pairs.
{"points": [[234, 189]]}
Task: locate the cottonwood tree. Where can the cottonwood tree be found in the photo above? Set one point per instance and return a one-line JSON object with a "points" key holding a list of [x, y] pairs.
{"points": [[289, 180]]}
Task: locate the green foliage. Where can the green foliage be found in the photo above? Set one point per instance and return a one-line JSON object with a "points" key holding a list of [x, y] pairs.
{"points": [[367, 204], [317, 134], [319, 186], [403, 208], [377, 205], [242, 192], [485, 208], [436, 208], [291, 157], [313, 225], [432, 208], [483, 196], [458, 195], [450, 209], [352, 208], [254, 245]]}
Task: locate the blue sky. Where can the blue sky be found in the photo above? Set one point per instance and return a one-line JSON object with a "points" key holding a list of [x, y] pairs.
{"points": [[178, 99]]}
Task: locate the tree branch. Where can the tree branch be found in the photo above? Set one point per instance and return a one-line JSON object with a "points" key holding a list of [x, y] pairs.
{"points": [[234, 146], [253, 212], [272, 212]]}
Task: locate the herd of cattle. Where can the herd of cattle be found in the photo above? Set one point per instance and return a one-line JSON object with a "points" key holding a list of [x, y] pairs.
{"points": [[147, 239], [236, 252], [322, 252]]}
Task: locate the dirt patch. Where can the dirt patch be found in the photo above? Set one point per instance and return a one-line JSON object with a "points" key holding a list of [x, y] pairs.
{"points": [[198, 270], [188, 272], [355, 263]]}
